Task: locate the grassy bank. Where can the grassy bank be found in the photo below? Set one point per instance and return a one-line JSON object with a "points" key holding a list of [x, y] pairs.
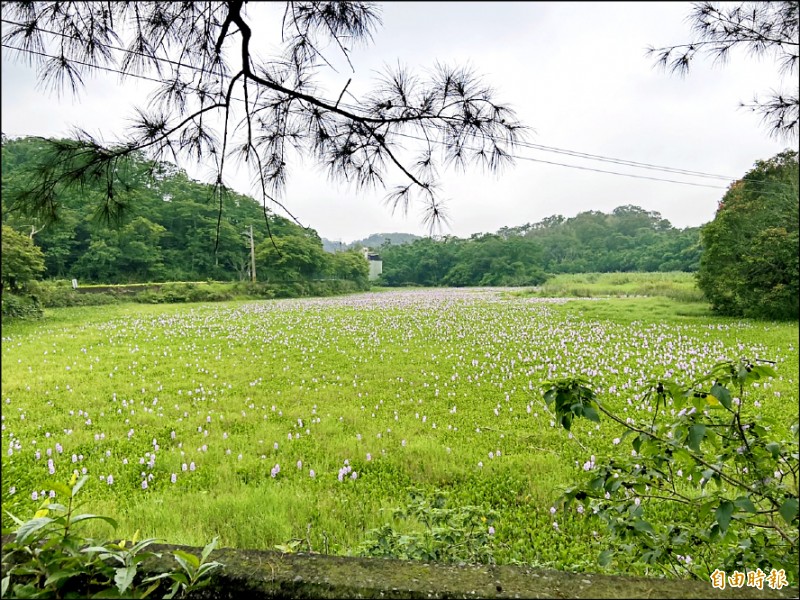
{"points": [[676, 285]]}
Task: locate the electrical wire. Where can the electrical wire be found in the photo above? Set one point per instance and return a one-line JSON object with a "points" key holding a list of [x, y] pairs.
{"points": [[577, 154]]}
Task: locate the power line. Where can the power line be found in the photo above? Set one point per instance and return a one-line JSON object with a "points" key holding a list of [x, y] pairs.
{"points": [[525, 158], [624, 161], [552, 149], [531, 159]]}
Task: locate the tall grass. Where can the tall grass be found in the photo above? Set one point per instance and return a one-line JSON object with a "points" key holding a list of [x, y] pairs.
{"points": [[675, 285]]}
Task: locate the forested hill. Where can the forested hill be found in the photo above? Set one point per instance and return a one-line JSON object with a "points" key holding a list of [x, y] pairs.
{"points": [[169, 230], [627, 239], [373, 241]]}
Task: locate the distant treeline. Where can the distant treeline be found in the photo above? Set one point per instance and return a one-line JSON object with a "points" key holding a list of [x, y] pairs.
{"points": [[628, 239], [170, 230]]}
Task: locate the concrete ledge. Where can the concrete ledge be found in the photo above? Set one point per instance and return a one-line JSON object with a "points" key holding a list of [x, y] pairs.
{"points": [[259, 575]]}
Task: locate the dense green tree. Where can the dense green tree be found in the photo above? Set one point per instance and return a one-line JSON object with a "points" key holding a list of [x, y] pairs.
{"points": [[291, 258], [749, 266], [628, 239], [172, 230], [99, 262], [22, 261], [349, 265]]}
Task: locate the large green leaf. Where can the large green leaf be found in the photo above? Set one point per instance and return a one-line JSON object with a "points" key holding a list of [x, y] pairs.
{"points": [[744, 503], [28, 528], [605, 558], [590, 413], [642, 525], [124, 578], [60, 576], [723, 515], [722, 394], [79, 484], [789, 510], [208, 549], [86, 517], [696, 435]]}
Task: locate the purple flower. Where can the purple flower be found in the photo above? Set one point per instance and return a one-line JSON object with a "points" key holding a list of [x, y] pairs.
{"points": [[35, 495], [174, 478], [491, 530], [144, 484]]}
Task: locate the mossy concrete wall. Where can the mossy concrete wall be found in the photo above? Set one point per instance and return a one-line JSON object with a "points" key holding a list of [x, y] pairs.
{"points": [[259, 575]]}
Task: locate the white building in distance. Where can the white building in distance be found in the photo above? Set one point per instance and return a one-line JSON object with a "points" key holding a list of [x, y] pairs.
{"points": [[375, 263]]}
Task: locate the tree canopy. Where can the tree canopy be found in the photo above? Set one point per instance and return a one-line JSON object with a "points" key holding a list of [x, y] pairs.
{"points": [[168, 234], [750, 265], [168, 231], [628, 239], [217, 100], [22, 260]]}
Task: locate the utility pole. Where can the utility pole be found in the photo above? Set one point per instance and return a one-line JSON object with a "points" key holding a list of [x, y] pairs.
{"points": [[252, 256]]}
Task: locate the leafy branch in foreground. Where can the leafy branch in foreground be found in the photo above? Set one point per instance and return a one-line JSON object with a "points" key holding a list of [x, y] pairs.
{"points": [[201, 56], [48, 559], [718, 470]]}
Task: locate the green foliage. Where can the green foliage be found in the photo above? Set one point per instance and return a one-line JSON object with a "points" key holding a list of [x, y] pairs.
{"points": [[750, 265], [497, 346], [169, 229], [349, 265], [48, 559], [291, 258], [16, 306], [629, 239], [571, 398], [22, 261], [461, 534], [59, 294], [704, 451], [677, 285]]}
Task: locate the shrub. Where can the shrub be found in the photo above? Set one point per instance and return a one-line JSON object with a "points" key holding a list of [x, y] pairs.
{"points": [[16, 306], [731, 480], [47, 558]]}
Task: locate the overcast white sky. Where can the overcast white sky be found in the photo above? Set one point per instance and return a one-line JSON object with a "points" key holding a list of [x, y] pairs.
{"points": [[576, 73]]}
